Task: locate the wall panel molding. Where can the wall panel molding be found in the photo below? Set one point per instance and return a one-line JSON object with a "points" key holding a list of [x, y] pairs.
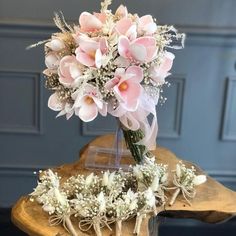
{"points": [[36, 126], [45, 28], [89, 129], [175, 132], [228, 132]]}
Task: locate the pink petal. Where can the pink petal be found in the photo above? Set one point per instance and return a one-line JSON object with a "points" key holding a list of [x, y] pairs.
{"points": [[103, 45], [54, 103], [130, 96], [138, 52], [66, 80], [65, 64], [103, 111], [111, 83], [123, 25], [147, 24], [75, 71], [98, 102], [167, 63], [84, 59], [90, 89], [136, 72], [144, 20], [133, 92], [98, 58], [101, 16], [122, 62], [132, 32], [88, 113], [52, 60], [123, 46], [89, 22], [88, 45], [150, 45]]}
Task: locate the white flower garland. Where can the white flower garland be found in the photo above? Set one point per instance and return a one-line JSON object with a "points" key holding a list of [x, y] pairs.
{"points": [[97, 201]]}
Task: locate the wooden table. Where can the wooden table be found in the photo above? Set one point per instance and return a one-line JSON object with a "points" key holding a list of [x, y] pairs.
{"points": [[213, 202]]}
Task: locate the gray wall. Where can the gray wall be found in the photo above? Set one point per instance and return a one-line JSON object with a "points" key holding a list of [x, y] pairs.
{"points": [[198, 122]]}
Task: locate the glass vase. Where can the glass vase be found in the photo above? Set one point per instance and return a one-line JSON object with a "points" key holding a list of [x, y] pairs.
{"points": [[121, 154]]}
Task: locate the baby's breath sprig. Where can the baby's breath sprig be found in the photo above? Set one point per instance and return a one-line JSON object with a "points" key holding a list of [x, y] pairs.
{"points": [[185, 181]]}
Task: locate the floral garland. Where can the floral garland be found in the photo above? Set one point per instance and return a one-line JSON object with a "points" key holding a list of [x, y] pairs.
{"points": [[113, 197], [111, 64]]}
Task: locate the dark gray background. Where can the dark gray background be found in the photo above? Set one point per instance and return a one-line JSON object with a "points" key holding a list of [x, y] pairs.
{"points": [[198, 121]]}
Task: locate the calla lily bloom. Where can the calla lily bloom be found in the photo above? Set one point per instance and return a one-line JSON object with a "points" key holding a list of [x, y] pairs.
{"points": [[56, 105], [142, 49], [146, 25], [126, 27], [121, 11], [126, 85], [52, 60], [89, 22], [88, 105], [90, 52], [69, 70], [56, 44], [158, 73]]}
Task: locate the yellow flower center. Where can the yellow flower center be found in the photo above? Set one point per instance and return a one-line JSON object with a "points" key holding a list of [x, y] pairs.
{"points": [[92, 54], [123, 86], [89, 100]]}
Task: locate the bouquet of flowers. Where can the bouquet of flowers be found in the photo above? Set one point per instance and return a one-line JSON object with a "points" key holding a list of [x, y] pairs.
{"points": [[111, 64]]}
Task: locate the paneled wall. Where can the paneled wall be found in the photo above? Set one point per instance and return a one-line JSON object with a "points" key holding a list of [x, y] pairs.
{"points": [[198, 121]]}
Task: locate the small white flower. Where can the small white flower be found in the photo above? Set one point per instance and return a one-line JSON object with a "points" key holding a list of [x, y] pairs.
{"points": [[56, 44], [105, 178], [199, 179], [137, 172], [60, 198], [111, 179], [102, 202], [150, 197], [49, 208], [89, 179], [53, 179], [155, 183], [178, 170]]}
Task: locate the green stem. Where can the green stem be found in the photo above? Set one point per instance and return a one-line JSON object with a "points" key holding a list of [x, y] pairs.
{"points": [[131, 139]]}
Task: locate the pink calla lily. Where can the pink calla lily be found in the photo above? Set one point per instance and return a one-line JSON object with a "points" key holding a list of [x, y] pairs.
{"points": [[126, 85], [89, 104], [142, 49], [90, 52], [158, 73], [146, 25], [69, 70], [89, 22]]}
